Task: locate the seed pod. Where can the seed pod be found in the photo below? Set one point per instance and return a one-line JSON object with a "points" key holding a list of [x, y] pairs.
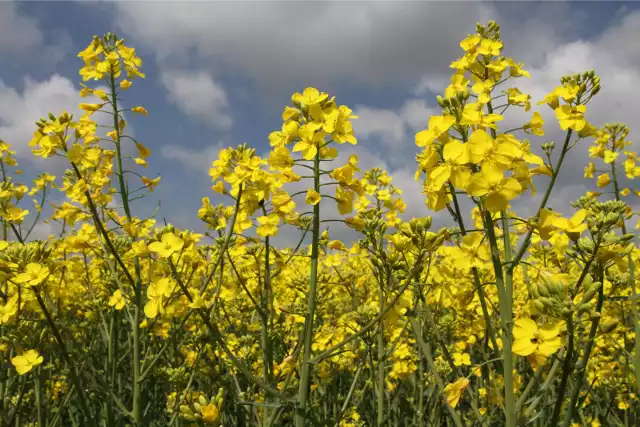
{"points": [[534, 291], [538, 304], [608, 326], [542, 289], [584, 308], [591, 291]]}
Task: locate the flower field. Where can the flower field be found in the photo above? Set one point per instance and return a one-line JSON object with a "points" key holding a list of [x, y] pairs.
{"points": [[495, 320]]}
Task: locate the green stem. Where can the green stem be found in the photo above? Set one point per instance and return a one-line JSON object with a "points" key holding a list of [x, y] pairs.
{"points": [[65, 356], [38, 392], [635, 305], [582, 366], [506, 319], [426, 351], [545, 199], [381, 357], [305, 375], [136, 372]]}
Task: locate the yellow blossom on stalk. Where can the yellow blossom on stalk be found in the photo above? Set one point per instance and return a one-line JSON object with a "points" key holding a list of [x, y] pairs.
{"points": [[8, 310], [140, 110], [546, 223], [312, 197], [490, 182], [574, 226], [168, 245], [34, 274], [116, 300], [209, 413], [438, 126], [603, 180], [589, 170], [345, 200], [156, 293], [571, 117], [268, 225], [460, 359], [26, 361], [453, 391], [456, 156], [14, 214], [536, 125], [536, 342], [150, 183], [473, 251], [310, 137]]}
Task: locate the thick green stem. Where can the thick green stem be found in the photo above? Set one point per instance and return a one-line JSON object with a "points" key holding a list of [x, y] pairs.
{"points": [[39, 403], [582, 366], [305, 374], [506, 320], [635, 303], [136, 384], [426, 351], [381, 357], [264, 332], [73, 373], [543, 203]]}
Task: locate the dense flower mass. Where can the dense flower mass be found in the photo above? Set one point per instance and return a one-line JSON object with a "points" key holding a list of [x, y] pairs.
{"points": [[496, 320]]}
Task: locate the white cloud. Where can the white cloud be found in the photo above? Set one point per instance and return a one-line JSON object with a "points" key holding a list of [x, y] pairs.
{"points": [[22, 38], [197, 94], [282, 46], [199, 160], [392, 128], [20, 110]]}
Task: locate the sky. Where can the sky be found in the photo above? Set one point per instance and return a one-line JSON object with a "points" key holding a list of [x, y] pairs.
{"points": [[220, 74]]}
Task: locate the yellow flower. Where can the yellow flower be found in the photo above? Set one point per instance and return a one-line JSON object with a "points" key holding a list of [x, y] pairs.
{"points": [[125, 84], [116, 300], [26, 361], [603, 180], [571, 117], [140, 110], [170, 243], [497, 189], [589, 170], [268, 225], [456, 156], [438, 125], [539, 343], [34, 274], [209, 413], [453, 391], [156, 292], [90, 108], [461, 359], [536, 125], [574, 226], [312, 197]]}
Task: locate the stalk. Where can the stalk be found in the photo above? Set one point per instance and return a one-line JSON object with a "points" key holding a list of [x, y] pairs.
{"points": [[632, 280], [381, 356], [305, 374], [582, 366], [73, 373], [506, 320], [136, 383], [39, 403]]}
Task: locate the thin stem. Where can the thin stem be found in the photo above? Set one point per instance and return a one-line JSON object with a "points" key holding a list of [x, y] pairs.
{"points": [[305, 375]]}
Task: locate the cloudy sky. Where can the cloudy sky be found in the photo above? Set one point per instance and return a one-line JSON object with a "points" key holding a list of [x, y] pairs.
{"points": [[220, 73]]}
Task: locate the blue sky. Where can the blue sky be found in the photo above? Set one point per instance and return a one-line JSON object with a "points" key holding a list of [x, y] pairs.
{"points": [[220, 73]]}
